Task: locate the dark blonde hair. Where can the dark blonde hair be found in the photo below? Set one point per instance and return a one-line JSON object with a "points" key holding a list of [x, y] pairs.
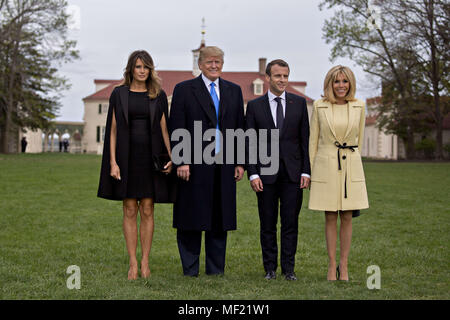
{"points": [[328, 92], [153, 82], [210, 51]]}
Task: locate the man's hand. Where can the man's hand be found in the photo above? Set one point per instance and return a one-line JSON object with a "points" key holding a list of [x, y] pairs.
{"points": [[256, 185], [183, 172], [304, 182], [238, 173]]}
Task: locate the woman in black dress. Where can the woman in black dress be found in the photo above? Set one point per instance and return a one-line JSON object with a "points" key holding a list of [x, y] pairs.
{"points": [[136, 136]]}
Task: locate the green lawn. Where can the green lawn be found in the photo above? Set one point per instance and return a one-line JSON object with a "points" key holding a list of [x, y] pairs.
{"points": [[50, 218]]}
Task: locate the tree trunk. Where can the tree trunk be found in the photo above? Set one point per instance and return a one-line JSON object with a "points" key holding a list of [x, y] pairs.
{"points": [[2, 140], [435, 79], [8, 120], [439, 137], [10, 103], [6, 131], [410, 144]]}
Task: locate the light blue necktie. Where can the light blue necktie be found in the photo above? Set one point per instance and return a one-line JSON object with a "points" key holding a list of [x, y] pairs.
{"points": [[215, 99]]}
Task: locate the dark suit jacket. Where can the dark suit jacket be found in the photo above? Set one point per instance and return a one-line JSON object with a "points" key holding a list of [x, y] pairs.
{"points": [[191, 102], [112, 189], [294, 137]]}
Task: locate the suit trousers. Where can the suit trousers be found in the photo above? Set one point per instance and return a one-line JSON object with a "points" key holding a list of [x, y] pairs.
{"points": [[189, 241], [290, 195]]}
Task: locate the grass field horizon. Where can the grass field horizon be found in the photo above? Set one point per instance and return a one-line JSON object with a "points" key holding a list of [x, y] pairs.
{"points": [[50, 218]]}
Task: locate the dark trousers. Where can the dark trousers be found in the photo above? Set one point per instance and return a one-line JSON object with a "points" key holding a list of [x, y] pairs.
{"points": [[290, 196], [189, 242]]}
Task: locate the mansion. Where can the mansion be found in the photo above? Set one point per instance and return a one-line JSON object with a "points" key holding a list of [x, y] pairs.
{"points": [[88, 136], [253, 85]]}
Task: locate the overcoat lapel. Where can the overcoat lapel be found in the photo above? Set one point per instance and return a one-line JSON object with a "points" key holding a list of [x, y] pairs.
{"points": [[204, 99], [223, 88], [123, 93], [329, 115], [353, 110]]}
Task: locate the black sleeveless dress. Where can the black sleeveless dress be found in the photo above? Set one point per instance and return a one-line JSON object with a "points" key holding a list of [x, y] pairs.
{"points": [[140, 169]]}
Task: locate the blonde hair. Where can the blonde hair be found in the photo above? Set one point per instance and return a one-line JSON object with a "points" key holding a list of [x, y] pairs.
{"points": [[210, 52], [153, 82], [328, 92]]}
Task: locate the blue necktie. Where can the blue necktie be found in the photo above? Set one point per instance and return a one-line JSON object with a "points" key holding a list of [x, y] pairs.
{"points": [[215, 99]]}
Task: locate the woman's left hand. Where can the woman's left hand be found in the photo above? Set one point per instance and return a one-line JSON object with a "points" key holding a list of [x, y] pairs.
{"points": [[168, 167]]}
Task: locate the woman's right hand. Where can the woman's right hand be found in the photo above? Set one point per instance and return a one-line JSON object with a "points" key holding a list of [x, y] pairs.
{"points": [[115, 171]]}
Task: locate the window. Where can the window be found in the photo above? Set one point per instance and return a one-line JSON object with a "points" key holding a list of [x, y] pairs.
{"points": [[100, 108], [105, 108], [258, 89], [98, 133], [258, 85], [103, 133]]}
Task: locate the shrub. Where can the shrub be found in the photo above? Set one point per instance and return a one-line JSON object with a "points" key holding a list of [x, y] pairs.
{"points": [[427, 147]]}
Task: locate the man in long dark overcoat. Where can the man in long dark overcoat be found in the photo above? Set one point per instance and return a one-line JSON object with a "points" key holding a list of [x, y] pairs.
{"points": [[206, 197]]}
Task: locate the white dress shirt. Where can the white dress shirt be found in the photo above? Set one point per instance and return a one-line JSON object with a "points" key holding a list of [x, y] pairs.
{"points": [[274, 105], [273, 109], [208, 85]]}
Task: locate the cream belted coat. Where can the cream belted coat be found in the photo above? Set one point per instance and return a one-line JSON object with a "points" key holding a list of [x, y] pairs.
{"points": [[333, 189]]}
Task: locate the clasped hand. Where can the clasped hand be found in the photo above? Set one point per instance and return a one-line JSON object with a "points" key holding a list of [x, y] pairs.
{"points": [[183, 172], [168, 167]]}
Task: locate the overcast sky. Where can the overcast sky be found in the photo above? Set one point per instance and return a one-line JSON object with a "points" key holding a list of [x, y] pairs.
{"points": [[107, 31]]}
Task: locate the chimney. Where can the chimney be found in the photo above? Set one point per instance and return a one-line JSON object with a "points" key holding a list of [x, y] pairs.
{"points": [[262, 66]]}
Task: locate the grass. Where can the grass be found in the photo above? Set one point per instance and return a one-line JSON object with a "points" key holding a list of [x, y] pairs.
{"points": [[50, 218]]}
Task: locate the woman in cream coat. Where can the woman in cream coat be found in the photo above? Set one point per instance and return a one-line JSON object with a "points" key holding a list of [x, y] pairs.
{"points": [[337, 177]]}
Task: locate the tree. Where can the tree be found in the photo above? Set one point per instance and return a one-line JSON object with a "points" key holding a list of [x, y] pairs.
{"points": [[426, 22], [33, 44], [396, 52]]}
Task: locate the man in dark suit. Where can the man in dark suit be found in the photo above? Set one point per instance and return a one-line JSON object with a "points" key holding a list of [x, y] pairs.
{"points": [[206, 197], [288, 113]]}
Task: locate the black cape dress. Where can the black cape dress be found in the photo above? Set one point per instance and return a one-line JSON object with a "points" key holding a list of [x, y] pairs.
{"points": [[164, 186]]}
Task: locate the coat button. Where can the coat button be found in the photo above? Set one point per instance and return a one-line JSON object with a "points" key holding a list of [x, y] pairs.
{"points": [[344, 157]]}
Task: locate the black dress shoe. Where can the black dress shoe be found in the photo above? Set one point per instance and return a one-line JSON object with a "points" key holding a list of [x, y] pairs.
{"points": [[270, 275], [290, 276], [219, 274], [191, 275]]}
